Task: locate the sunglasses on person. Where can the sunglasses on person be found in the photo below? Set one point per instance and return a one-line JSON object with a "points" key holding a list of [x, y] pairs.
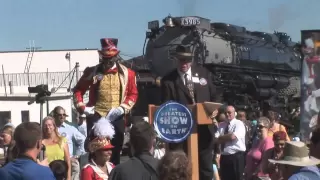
{"points": [[280, 144], [260, 126]]}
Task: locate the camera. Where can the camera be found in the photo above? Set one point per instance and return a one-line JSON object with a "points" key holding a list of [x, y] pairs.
{"points": [[40, 89]]}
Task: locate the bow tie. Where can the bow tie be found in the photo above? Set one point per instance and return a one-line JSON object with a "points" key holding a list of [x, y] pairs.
{"points": [[113, 71]]}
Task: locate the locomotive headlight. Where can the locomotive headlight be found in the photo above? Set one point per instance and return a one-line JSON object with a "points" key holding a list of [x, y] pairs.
{"points": [[158, 81]]}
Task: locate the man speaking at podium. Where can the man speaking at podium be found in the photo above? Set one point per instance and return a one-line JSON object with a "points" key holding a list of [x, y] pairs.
{"points": [[189, 84]]}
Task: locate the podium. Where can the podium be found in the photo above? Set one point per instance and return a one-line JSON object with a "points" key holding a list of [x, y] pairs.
{"points": [[200, 113]]}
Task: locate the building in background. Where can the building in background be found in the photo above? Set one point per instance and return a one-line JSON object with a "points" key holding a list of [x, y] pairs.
{"points": [[23, 69]]}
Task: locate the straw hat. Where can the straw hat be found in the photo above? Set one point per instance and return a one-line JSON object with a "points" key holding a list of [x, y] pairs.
{"points": [[296, 153], [100, 143]]}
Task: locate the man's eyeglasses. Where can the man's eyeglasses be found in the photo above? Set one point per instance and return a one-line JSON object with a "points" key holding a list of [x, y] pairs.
{"points": [[279, 144], [260, 126], [229, 112], [61, 115]]}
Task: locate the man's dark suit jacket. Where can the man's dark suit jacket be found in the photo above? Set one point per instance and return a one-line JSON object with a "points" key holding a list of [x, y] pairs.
{"points": [[173, 88]]}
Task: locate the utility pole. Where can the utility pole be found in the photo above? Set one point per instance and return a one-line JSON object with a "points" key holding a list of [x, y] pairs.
{"points": [[4, 81], [76, 81], [68, 58], [77, 71]]}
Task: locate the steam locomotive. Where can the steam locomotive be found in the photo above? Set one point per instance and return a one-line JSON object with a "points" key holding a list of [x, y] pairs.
{"points": [[251, 69]]}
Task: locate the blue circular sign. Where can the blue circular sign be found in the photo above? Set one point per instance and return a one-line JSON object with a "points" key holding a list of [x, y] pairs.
{"points": [[173, 122]]}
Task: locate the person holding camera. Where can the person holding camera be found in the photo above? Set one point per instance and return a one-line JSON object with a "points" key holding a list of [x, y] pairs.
{"points": [[27, 137]]}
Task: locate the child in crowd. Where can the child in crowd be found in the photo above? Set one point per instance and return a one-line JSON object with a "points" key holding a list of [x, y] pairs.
{"points": [[59, 169]]}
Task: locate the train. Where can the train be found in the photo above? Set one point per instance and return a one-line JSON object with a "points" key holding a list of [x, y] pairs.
{"points": [[251, 69]]}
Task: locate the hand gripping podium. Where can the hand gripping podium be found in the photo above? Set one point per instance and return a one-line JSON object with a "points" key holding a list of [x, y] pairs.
{"points": [[200, 113]]}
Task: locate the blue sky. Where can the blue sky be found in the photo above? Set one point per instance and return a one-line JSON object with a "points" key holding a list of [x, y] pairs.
{"points": [[61, 24]]}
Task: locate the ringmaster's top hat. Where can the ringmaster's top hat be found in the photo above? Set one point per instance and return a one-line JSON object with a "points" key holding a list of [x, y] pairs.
{"points": [[109, 47], [184, 52], [100, 136]]}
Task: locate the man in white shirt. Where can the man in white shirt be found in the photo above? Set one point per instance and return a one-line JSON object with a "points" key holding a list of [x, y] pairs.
{"points": [[231, 135], [82, 124]]}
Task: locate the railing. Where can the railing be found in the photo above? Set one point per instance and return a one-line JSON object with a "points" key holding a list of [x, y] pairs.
{"points": [[50, 78]]}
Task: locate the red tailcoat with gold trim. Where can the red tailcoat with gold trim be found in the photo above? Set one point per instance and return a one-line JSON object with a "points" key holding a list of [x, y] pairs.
{"points": [[129, 92]]}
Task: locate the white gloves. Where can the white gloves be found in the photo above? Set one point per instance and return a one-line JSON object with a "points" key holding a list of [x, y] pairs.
{"points": [[89, 110], [115, 113]]}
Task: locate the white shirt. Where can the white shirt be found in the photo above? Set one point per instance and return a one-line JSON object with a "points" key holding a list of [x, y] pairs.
{"points": [[2, 150], [83, 128], [237, 128], [159, 153], [74, 138], [182, 74], [114, 66]]}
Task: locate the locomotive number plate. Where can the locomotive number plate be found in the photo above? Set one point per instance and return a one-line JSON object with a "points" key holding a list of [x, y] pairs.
{"points": [[190, 21]]}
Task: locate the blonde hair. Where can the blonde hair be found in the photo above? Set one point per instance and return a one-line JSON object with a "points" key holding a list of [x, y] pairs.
{"points": [[44, 133], [264, 121], [8, 130]]}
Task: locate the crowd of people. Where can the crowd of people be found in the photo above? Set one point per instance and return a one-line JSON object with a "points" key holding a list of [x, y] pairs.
{"points": [[24, 143], [263, 150], [269, 154], [236, 146]]}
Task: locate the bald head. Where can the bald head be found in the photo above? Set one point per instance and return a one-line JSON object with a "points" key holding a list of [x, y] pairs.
{"points": [[230, 113], [230, 108]]}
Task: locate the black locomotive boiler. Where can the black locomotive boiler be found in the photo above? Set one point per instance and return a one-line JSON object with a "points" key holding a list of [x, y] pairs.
{"points": [[251, 69]]}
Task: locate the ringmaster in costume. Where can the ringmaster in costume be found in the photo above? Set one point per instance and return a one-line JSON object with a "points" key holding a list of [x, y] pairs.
{"points": [[112, 93], [189, 84]]}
